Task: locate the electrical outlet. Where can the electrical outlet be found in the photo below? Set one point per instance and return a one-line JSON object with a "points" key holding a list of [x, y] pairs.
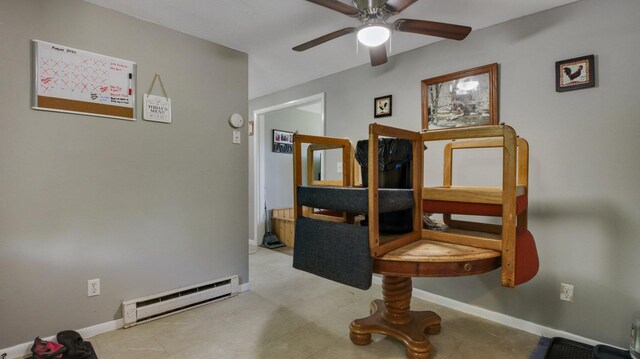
{"points": [[93, 287], [339, 167], [566, 292]]}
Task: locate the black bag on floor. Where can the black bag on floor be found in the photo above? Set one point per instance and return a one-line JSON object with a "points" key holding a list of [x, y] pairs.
{"points": [[77, 348]]}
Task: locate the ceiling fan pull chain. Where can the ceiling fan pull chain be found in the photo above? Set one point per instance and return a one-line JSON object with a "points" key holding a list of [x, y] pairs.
{"points": [[390, 44]]}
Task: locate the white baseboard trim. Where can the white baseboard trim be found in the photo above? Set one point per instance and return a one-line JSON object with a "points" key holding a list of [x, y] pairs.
{"points": [[253, 242], [101, 328], [23, 349], [496, 317], [244, 287]]}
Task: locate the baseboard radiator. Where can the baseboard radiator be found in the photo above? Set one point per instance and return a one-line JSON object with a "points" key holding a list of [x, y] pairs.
{"points": [[144, 309]]}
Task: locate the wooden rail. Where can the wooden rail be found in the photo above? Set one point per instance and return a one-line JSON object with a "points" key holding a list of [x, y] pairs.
{"points": [[323, 143]]}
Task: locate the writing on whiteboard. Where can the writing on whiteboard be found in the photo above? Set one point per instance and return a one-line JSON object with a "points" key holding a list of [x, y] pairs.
{"points": [[83, 76]]}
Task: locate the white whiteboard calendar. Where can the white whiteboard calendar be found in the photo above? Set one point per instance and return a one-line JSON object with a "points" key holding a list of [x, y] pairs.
{"points": [[77, 81]]}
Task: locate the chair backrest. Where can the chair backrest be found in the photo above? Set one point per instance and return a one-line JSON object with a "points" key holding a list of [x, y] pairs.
{"points": [[522, 181], [335, 251], [514, 173], [317, 143], [312, 148], [382, 244]]}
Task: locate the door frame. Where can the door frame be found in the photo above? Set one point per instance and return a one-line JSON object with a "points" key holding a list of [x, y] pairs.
{"points": [[259, 156]]}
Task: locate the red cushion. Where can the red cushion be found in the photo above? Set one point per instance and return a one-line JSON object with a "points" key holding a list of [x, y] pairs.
{"points": [[472, 209], [527, 263]]}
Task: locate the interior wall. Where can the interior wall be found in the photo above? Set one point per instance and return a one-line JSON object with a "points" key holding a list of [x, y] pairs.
{"points": [[584, 171], [146, 207], [279, 166]]}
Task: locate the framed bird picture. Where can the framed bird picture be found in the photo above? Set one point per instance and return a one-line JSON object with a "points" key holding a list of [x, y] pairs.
{"points": [[382, 106], [575, 74]]}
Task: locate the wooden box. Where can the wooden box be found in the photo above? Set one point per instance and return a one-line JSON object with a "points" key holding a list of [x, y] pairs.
{"points": [[283, 225]]}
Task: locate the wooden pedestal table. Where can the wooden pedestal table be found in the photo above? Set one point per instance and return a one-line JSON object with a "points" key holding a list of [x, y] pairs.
{"points": [[424, 258]]}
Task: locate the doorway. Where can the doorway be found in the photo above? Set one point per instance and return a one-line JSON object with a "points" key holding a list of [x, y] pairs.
{"points": [[273, 171]]}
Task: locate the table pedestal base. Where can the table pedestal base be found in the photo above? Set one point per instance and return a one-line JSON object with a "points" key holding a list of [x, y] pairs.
{"points": [[392, 316]]}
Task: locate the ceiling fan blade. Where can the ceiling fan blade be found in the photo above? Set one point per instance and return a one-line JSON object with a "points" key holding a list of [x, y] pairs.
{"points": [[432, 28], [337, 6], [395, 6], [378, 55], [322, 39]]}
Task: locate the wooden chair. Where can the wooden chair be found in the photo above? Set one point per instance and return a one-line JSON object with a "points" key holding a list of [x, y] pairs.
{"points": [[322, 143], [354, 174], [464, 248]]}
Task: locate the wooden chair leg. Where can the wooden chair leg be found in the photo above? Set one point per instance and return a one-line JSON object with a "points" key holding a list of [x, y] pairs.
{"points": [[392, 316]]}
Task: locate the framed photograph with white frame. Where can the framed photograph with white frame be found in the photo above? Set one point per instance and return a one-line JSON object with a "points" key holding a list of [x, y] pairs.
{"points": [[461, 99], [282, 141]]}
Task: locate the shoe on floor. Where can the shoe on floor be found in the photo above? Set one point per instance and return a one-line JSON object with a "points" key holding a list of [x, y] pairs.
{"points": [[76, 346], [43, 349]]}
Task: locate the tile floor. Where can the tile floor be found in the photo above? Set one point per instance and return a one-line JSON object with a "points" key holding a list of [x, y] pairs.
{"points": [[292, 314]]}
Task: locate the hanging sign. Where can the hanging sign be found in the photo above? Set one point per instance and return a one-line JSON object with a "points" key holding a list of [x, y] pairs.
{"points": [[157, 108]]}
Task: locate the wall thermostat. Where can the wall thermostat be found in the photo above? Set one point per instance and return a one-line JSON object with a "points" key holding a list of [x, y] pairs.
{"points": [[236, 120]]}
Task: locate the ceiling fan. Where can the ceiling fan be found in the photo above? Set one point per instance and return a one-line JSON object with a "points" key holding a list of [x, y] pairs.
{"points": [[375, 30]]}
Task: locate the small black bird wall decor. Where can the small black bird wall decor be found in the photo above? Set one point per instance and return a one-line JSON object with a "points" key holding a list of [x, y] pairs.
{"points": [[382, 106], [575, 74]]}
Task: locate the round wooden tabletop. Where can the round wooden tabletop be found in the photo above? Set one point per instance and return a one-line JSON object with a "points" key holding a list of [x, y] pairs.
{"points": [[426, 258]]}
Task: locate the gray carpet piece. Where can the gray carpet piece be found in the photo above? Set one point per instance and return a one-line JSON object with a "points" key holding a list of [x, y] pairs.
{"points": [[335, 251], [354, 200], [540, 351]]}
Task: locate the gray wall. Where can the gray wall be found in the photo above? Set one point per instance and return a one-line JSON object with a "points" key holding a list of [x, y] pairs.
{"points": [[584, 147], [145, 207], [279, 166]]}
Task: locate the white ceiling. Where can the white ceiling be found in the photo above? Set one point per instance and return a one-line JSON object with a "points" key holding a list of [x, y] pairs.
{"points": [[268, 29]]}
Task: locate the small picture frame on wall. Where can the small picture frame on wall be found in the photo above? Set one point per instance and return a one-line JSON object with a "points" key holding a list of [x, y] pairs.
{"points": [[282, 142], [574, 74], [382, 106]]}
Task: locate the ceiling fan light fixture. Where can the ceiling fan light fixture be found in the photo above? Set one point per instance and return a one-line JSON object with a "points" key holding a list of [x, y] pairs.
{"points": [[373, 35]]}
